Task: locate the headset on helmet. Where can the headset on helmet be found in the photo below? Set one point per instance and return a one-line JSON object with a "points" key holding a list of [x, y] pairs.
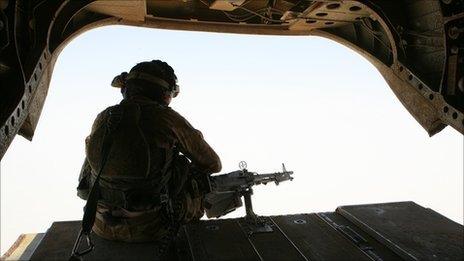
{"points": [[120, 80]]}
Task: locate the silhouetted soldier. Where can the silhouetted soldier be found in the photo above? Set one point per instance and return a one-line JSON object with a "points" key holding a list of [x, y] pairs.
{"points": [[145, 153]]}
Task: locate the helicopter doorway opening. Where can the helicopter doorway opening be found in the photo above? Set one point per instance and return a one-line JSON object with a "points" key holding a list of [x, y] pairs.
{"points": [[309, 102]]}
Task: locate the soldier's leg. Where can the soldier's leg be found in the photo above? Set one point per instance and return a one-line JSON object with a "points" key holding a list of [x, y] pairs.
{"points": [[188, 195]]}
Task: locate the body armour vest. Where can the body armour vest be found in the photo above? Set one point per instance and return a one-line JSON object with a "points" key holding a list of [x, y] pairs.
{"points": [[136, 169]]}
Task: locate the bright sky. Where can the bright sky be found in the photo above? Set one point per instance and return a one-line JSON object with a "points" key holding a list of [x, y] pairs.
{"points": [[309, 102]]}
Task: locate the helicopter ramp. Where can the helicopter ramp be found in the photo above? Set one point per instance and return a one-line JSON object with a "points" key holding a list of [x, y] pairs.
{"points": [[388, 231]]}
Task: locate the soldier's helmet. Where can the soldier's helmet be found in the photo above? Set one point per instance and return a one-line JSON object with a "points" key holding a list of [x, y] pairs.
{"points": [[156, 72]]}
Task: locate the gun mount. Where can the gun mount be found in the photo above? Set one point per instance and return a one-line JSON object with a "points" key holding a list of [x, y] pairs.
{"points": [[227, 190]]}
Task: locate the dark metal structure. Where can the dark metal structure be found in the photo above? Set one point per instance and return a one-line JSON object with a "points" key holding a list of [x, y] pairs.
{"points": [[389, 231], [417, 45]]}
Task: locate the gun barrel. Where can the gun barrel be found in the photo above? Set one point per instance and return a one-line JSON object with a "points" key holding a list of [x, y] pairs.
{"points": [[243, 180], [276, 177]]}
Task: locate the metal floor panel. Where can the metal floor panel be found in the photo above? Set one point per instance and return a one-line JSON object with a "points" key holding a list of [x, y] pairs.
{"points": [[59, 240], [275, 245], [295, 237], [317, 240], [220, 239], [372, 247], [380, 232], [413, 232]]}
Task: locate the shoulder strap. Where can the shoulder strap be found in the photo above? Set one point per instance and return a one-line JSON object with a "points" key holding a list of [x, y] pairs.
{"points": [[90, 209]]}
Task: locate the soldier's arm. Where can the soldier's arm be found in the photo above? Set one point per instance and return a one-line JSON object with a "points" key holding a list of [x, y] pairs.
{"points": [[193, 145], [83, 188]]}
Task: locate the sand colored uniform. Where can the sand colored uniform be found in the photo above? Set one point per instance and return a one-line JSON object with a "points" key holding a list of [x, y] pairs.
{"points": [[129, 208]]}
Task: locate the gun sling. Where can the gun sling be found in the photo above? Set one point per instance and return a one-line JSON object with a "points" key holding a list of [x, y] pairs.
{"points": [[90, 208]]}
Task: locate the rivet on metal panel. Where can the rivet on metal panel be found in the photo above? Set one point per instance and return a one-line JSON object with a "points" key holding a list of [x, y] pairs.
{"points": [[454, 32], [299, 221], [212, 227]]}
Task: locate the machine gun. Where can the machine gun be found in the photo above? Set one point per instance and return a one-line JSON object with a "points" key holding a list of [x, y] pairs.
{"points": [[227, 190]]}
